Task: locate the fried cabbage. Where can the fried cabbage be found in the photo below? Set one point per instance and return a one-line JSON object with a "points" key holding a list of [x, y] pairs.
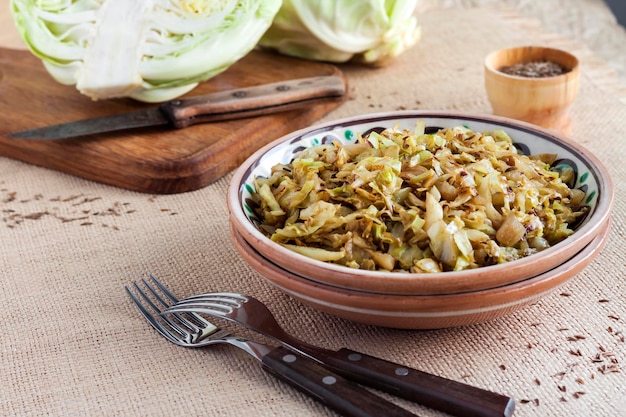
{"points": [[403, 200]]}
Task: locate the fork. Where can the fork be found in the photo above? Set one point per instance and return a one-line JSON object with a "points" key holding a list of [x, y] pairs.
{"points": [[192, 330], [439, 393]]}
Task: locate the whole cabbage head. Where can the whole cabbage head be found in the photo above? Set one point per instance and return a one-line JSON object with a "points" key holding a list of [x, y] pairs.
{"points": [[370, 31], [150, 50]]}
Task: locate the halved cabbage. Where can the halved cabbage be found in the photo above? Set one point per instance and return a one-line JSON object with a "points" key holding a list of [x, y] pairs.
{"points": [[150, 50]]}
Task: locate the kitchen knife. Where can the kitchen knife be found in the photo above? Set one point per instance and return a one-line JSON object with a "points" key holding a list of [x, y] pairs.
{"points": [[224, 105]]}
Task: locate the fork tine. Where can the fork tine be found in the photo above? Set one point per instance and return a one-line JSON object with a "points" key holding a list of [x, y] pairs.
{"points": [[156, 324], [175, 327], [224, 301], [230, 296], [164, 289], [205, 326], [188, 326], [213, 309], [215, 304]]}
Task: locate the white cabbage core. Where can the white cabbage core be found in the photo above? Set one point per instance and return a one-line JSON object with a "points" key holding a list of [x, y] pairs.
{"points": [[111, 65]]}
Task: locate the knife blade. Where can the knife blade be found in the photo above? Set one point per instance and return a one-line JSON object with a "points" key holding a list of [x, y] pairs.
{"points": [[224, 105]]}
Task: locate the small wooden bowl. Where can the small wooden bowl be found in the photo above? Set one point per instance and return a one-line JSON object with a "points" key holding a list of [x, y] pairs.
{"points": [[542, 101]]}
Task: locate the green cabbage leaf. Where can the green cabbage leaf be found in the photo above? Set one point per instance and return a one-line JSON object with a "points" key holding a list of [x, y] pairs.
{"points": [[370, 31], [149, 50]]}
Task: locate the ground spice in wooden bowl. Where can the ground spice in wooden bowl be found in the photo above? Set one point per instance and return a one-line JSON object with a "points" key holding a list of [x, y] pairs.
{"points": [[535, 84], [534, 69]]}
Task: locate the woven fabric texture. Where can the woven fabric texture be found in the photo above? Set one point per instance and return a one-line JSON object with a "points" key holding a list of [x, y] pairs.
{"points": [[73, 344]]}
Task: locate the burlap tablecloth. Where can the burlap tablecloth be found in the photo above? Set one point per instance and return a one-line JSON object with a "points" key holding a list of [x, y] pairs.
{"points": [[73, 344]]}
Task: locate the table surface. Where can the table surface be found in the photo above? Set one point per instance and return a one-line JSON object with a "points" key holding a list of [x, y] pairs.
{"points": [[73, 344]]}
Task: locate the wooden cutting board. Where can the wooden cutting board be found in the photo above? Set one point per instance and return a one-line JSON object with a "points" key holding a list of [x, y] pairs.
{"points": [[152, 160]]}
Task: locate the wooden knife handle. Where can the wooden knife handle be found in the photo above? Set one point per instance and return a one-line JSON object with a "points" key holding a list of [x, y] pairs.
{"points": [[253, 101], [452, 397], [336, 392]]}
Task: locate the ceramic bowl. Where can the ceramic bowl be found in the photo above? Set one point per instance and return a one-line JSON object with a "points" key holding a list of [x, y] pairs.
{"points": [[591, 176], [543, 101], [419, 311]]}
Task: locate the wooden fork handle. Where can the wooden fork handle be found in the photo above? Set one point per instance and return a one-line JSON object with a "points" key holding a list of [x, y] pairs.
{"points": [[439, 393], [336, 392]]}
